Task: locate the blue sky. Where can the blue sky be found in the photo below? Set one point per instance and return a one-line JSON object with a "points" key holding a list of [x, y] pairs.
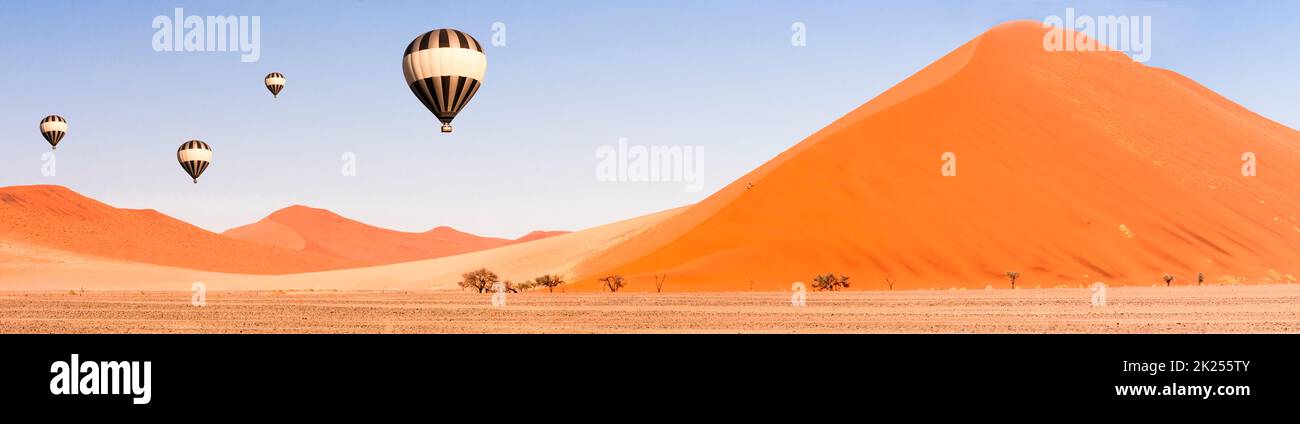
{"points": [[573, 76]]}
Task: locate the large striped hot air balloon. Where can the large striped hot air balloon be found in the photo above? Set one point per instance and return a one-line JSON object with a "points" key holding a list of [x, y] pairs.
{"points": [[53, 128], [194, 156], [274, 82], [444, 68]]}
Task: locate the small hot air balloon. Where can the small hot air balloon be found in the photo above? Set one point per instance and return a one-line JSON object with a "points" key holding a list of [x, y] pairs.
{"points": [[444, 69], [53, 128], [275, 83], [194, 156]]}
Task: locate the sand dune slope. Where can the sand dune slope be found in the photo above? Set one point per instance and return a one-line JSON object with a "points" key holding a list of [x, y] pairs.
{"points": [[24, 267], [56, 218], [323, 232], [1071, 167], [518, 262]]}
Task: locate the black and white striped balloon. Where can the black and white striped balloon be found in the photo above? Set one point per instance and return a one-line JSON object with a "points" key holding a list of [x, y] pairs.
{"points": [[194, 156], [444, 68], [53, 128], [274, 82]]}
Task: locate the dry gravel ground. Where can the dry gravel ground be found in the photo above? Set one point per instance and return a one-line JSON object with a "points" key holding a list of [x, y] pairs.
{"points": [[1217, 309]]}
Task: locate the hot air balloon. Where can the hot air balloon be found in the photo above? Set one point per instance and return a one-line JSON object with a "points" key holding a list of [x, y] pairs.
{"points": [[275, 83], [194, 156], [53, 128], [444, 69]]}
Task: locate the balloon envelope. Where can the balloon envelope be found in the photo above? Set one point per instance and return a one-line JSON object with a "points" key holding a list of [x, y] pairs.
{"points": [[444, 68], [274, 82], [53, 128], [194, 156]]}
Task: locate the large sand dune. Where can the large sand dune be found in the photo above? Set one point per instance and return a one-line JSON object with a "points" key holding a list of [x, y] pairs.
{"points": [[25, 267], [326, 233], [57, 219], [518, 262], [1072, 167]]}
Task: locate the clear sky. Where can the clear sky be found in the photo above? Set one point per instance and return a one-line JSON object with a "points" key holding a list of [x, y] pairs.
{"points": [[573, 76]]}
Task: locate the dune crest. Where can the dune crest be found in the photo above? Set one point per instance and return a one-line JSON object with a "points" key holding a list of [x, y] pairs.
{"points": [[327, 233]]}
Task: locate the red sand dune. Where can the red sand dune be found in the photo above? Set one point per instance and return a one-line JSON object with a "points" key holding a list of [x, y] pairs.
{"points": [[324, 232], [1055, 151], [57, 218]]}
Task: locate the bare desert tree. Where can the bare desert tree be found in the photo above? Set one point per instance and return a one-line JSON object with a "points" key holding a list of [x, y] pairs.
{"points": [[890, 281], [1013, 275], [480, 279], [525, 286], [613, 282], [659, 282], [830, 282], [549, 281], [1200, 278], [824, 281], [1169, 280]]}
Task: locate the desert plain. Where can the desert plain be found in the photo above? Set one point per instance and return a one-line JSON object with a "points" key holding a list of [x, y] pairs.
{"points": [[1186, 309]]}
